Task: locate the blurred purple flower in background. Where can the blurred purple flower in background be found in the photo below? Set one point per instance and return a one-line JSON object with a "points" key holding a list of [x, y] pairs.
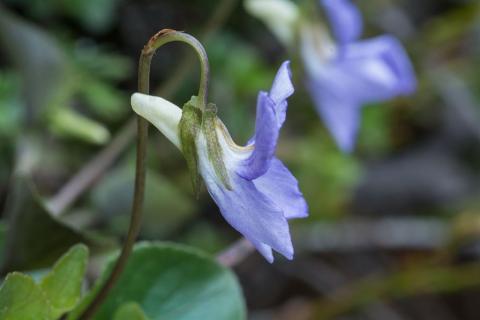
{"points": [[262, 194], [343, 76]]}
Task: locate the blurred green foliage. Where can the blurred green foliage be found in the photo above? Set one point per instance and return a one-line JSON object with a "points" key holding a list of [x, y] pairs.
{"points": [[166, 208], [93, 15], [10, 106], [67, 69]]}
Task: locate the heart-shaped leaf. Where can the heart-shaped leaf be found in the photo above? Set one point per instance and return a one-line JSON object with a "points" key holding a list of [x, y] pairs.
{"points": [[35, 239], [63, 284], [130, 311], [170, 281], [21, 298]]}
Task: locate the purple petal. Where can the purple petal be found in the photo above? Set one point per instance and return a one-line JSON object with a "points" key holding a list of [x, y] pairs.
{"points": [[266, 136], [382, 64], [369, 71], [345, 20], [280, 186], [253, 214], [282, 88], [271, 113], [265, 250], [340, 115]]}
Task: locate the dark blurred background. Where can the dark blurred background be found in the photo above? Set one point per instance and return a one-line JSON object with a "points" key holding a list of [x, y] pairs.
{"points": [[394, 229]]}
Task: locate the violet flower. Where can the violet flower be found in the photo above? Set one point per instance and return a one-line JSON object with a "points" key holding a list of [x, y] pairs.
{"points": [[261, 194], [345, 75]]}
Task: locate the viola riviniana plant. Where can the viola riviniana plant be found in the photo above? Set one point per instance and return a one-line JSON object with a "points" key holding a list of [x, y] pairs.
{"points": [[346, 73], [254, 191]]}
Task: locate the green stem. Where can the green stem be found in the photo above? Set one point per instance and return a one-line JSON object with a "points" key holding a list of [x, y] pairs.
{"points": [[163, 37], [168, 35], [137, 206]]}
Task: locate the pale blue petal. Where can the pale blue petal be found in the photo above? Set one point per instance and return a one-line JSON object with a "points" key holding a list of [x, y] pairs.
{"points": [[265, 250], [266, 136], [369, 71], [382, 65], [340, 115], [252, 214], [271, 114], [281, 187], [345, 20], [264, 195], [282, 88]]}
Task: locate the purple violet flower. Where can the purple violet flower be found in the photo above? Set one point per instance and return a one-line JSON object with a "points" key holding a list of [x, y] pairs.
{"points": [[345, 75], [264, 195]]}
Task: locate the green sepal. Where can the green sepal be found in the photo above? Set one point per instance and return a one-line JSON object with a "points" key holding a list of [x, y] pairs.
{"points": [[189, 127], [215, 152]]}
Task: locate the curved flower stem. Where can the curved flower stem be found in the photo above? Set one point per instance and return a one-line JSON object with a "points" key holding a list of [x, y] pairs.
{"points": [[162, 37], [168, 35]]}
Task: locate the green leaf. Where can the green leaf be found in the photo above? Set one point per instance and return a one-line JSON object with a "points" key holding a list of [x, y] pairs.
{"points": [[63, 284], [67, 122], [22, 299], [130, 311], [171, 281], [59, 291], [35, 238]]}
